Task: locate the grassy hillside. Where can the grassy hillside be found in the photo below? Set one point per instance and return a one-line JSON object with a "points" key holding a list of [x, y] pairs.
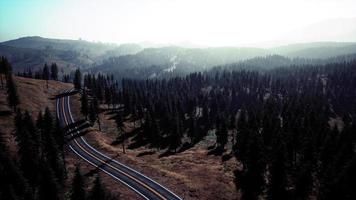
{"points": [[34, 97]]}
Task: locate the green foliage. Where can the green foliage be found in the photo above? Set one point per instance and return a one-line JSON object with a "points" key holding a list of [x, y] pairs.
{"points": [[279, 121]]}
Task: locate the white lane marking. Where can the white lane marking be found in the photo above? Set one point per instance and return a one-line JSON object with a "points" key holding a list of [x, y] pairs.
{"points": [[83, 139], [70, 146], [108, 173]]}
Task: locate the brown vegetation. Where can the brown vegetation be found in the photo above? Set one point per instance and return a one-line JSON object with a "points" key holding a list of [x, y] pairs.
{"points": [[34, 97], [191, 174]]}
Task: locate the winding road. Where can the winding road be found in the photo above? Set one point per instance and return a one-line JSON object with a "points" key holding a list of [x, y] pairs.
{"points": [[141, 184]]}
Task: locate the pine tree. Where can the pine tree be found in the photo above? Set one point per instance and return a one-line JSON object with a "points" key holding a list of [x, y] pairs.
{"points": [[84, 104], [119, 123], [78, 192], [77, 79], [303, 182], [59, 134], [92, 113], [108, 96], [66, 78], [345, 181], [96, 111], [97, 191], [175, 135], [12, 96], [46, 73], [5, 70], [54, 71], [47, 123], [60, 141], [222, 136], [48, 187], [51, 147], [28, 124], [12, 183], [251, 179], [27, 150], [278, 177]]}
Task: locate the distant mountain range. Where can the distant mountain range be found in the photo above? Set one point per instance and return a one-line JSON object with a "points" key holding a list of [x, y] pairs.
{"points": [[33, 52], [132, 59]]}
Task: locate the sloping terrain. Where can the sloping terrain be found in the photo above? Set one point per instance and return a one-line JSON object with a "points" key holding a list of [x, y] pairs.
{"points": [[186, 173], [33, 52], [34, 97]]}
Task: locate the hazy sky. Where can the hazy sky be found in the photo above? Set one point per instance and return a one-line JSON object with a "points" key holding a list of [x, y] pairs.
{"points": [[205, 22]]}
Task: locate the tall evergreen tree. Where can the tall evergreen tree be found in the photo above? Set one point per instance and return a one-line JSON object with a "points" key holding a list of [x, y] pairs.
{"points": [[51, 146], [92, 113], [5, 70], [54, 71], [12, 96], [175, 134], [46, 73], [98, 191], [278, 177], [77, 187], [66, 78], [12, 183], [251, 178], [48, 187], [47, 123], [84, 109], [27, 150], [221, 136], [303, 182], [77, 79], [119, 124]]}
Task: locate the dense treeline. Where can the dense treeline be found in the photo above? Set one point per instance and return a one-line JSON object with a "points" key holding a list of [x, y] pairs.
{"points": [[104, 88], [46, 73], [173, 62], [291, 128], [100, 89], [38, 172], [50, 73]]}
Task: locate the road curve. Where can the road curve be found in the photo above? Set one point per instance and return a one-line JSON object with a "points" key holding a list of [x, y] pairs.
{"points": [[141, 184]]}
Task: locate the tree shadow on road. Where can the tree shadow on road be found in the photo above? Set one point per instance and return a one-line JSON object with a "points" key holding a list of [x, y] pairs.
{"points": [[97, 169]]}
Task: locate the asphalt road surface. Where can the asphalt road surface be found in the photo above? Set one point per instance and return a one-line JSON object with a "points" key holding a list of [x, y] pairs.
{"points": [[141, 184]]}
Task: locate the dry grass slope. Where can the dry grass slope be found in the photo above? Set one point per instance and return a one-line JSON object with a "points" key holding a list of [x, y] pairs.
{"points": [[34, 97]]}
